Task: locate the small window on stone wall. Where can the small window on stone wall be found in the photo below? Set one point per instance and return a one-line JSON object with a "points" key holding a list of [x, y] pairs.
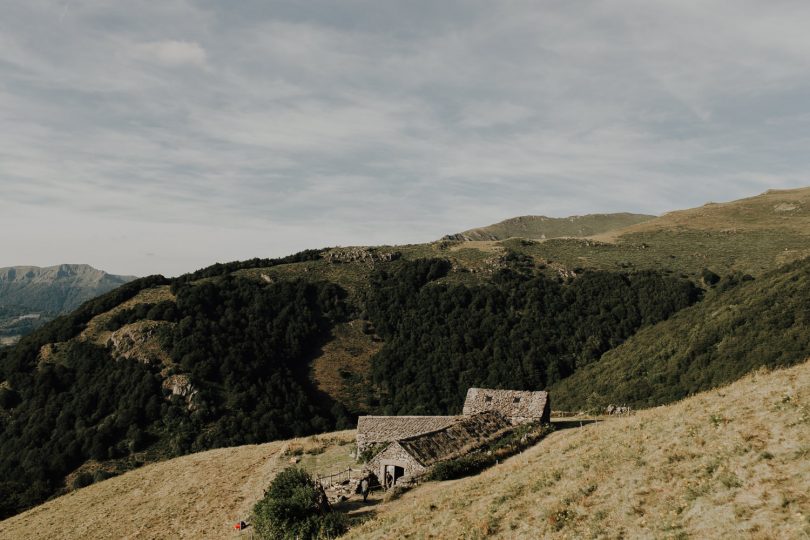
{"points": [[516, 400], [488, 399]]}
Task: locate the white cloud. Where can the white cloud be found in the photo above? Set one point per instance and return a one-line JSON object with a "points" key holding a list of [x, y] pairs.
{"points": [[172, 53], [287, 125]]}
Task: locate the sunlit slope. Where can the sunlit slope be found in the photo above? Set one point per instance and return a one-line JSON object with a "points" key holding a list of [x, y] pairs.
{"points": [[732, 462], [196, 496], [750, 235], [775, 209], [541, 227], [762, 322]]}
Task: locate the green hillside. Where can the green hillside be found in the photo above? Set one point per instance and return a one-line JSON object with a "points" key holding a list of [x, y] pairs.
{"points": [[542, 227], [741, 325]]}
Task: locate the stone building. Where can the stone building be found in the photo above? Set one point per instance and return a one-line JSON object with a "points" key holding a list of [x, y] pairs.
{"points": [[374, 430], [413, 456], [519, 406]]}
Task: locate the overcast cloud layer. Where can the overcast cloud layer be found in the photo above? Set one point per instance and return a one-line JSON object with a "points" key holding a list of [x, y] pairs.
{"points": [[145, 136]]}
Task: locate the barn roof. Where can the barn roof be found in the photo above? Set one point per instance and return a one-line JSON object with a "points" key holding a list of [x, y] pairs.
{"points": [[457, 439], [390, 428], [511, 403]]}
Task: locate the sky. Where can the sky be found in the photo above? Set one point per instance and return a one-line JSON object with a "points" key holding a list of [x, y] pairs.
{"points": [[162, 136]]}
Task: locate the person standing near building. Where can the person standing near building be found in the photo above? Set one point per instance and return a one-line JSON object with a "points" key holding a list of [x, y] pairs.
{"points": [[389, 480], [365, 484]]}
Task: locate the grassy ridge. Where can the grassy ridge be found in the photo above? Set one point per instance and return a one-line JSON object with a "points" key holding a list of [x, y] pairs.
{"points": [[222, 367], [546, 227]]}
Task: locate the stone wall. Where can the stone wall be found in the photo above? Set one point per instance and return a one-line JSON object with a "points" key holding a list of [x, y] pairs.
{"points": [[518, 405], [394, 454]]}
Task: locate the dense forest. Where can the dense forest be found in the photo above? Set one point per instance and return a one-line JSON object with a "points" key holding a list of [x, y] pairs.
{"points": [[243, 344], [520, 331]]}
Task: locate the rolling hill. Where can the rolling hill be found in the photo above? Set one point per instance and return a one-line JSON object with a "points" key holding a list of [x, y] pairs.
{"points": [[752, 236], [731, 460], [197, 496], [542, 227]]}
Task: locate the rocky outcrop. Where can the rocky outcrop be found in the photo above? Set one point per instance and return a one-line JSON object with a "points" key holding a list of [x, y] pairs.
{"points": [[139, 341], [180, 385], [360, 254]]}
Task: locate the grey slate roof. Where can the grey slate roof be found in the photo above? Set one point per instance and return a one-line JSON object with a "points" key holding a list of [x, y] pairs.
{"points": [[373, 429]]}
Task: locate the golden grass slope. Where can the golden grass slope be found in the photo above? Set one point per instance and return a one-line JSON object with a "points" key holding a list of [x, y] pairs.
{"points": [[733, 462], [787, 209], [197, 496]]}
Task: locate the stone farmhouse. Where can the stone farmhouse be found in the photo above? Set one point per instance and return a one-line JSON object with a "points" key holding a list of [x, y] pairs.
{"points": [[412, 456], [409, 445]]}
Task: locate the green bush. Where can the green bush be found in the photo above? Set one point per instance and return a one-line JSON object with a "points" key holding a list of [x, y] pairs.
{"points": [[292, 508], [82, 480], [371, 451]]}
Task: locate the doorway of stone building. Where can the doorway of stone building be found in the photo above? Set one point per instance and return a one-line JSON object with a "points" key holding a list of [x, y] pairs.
{"points": [[392, 474]]}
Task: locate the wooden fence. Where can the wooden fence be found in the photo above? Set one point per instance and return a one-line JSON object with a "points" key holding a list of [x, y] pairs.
{"points": [[328, 480]]}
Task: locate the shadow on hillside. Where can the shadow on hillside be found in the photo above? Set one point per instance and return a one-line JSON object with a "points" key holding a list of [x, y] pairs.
{"points": [[568, 424], [357, 510]]}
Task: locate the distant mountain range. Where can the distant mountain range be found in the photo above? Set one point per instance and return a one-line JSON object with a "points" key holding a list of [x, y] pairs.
{"points": [[31, 295]]}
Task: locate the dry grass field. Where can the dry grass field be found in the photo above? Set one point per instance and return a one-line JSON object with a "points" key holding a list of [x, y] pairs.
{"points": [[787, 209], [730, 463], [196, 496]]}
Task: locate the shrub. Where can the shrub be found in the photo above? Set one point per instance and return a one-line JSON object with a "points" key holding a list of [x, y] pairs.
{"points": [[82, 480], [293, 508], [709, 278], [371, 451]]}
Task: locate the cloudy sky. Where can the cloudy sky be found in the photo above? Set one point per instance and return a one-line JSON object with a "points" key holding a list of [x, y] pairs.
{"points": [[162, 136]]}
